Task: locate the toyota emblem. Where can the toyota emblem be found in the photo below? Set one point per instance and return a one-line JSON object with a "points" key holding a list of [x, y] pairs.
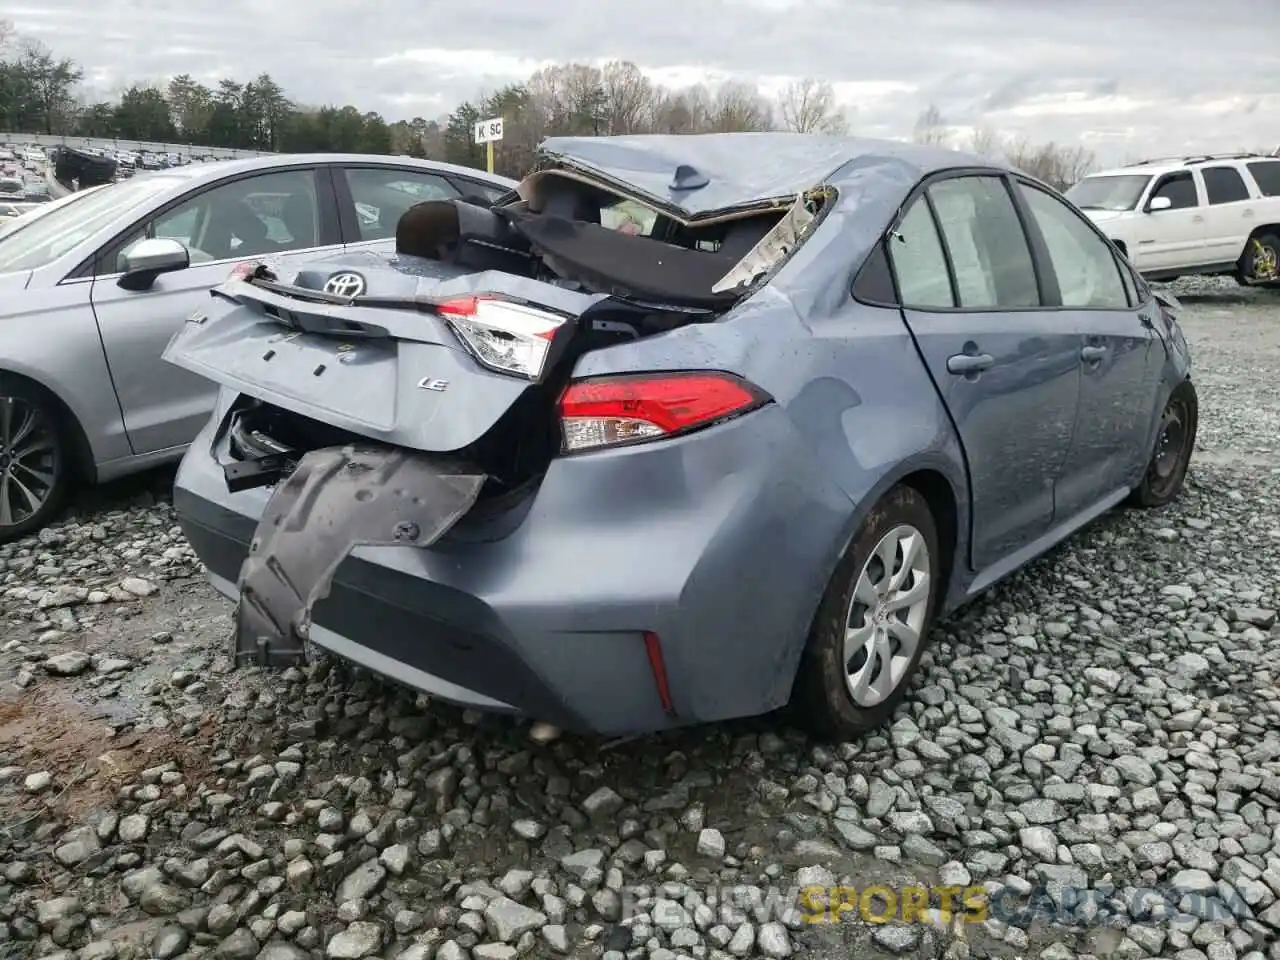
{"points": [[345, 285]]}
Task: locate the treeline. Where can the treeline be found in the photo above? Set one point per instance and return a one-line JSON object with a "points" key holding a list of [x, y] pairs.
{"points": [[39, 93]]}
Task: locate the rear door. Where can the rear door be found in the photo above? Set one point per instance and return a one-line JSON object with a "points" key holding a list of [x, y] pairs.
{"points": [[1229, 214], [1120, 353], [282, 214], [1007, 369]]}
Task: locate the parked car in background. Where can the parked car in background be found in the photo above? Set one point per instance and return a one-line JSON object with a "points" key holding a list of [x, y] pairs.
{"points": [[1209, 215], [85, 312], [15, 208], [735, 444]]}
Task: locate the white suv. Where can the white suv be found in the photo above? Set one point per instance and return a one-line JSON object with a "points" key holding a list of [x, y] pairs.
{"points": [[1193, 215]]}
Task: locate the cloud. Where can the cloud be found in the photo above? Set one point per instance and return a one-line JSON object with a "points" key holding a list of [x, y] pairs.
{"points": [[1123, 74]]}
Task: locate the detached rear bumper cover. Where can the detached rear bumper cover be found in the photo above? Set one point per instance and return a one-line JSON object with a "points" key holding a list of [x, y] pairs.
{"points": [[543, 609], [335, 499]]}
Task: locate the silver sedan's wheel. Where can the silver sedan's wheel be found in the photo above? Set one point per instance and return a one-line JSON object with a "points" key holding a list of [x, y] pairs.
{"points": [[887, 615], [872, 626], [33, 468]]}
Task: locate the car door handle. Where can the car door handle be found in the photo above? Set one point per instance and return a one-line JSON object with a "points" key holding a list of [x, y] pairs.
{"points": [[970, 362], [1092, 354], [1197, 219]]}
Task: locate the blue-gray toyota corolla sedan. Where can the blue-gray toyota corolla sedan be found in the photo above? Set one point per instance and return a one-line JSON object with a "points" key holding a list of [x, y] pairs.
{"points": [[686, 428]]}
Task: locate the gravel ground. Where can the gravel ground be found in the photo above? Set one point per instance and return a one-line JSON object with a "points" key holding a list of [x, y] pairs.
{"points": [[1096, 745]]}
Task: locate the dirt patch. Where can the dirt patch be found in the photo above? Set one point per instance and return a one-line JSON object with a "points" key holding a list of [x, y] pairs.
{"points": [[90, 761]]}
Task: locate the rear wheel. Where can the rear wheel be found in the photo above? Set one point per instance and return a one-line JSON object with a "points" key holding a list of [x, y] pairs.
{"points": [[35, 469], [1175, 440], [1260, 262], [873, 624]]}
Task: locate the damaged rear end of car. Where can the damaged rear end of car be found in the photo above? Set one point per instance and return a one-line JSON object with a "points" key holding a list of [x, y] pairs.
{"points": [[375, 478]]}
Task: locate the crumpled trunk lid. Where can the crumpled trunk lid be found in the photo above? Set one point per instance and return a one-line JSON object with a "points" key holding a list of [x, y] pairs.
{"points": [[401, 376]]}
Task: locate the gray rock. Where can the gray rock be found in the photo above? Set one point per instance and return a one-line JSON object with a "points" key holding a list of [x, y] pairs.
{"points": [[362, 882], [359, 939], [507, 920]]}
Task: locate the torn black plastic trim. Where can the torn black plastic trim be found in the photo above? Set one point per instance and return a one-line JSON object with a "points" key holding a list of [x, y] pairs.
{"points": [[336, 499]]}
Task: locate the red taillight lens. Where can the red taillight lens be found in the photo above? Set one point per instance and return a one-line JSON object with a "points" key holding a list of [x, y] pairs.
{"points": [[631, 409]]}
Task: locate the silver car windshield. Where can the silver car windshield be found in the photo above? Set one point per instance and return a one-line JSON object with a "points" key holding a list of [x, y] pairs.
{"points": [[29, 244]]}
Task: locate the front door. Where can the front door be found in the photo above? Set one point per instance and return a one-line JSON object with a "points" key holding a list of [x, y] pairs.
{"points": [[1120, 355], [280, 215], [1171, 238], [1007, 370]]}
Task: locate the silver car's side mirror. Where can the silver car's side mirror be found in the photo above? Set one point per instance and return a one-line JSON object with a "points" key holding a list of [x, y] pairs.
{"points": [[147, 259], [1159, 203]]}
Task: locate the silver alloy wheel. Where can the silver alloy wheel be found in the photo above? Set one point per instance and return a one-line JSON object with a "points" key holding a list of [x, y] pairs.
{"points": [[29, 462], [886, 615]]}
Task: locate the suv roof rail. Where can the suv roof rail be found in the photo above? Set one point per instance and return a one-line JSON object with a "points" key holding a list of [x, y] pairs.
{"points": [[1202, 158], [1207, 157]]}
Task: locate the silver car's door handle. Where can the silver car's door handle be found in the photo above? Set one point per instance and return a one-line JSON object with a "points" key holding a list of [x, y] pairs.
{"points": [[969, 362], [1092, 354]]}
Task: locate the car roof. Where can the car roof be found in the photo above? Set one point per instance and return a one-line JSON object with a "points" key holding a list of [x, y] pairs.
{"points": [[217, 170], [743, 169]]}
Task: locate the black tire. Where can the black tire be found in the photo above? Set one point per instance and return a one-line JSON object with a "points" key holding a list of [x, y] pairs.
{"points": [[1171, 456], [821, 696], [1260, 262], [20, 475]]}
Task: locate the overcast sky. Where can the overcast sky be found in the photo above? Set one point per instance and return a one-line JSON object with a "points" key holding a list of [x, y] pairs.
{"points": [[1122, 77]]}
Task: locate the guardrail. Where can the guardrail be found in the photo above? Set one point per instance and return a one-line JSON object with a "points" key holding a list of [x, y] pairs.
{"points": [[131, 146]]}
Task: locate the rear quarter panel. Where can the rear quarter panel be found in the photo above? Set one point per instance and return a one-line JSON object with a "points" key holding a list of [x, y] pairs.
{"points": [[857, 399]]}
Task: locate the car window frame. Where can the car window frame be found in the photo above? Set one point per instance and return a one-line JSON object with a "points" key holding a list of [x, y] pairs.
{"points": [[1197, 185], [1120, 265], [1046, 283], [1264, 162], [1244, 185], [348, 221], [878, 259], [109, 251]]}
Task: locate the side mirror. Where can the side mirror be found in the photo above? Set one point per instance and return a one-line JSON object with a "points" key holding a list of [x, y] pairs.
{"points": [[147, 259], [1158, 203]]}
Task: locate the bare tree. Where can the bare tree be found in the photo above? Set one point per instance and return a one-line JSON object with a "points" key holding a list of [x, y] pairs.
{"points": [[737, 107], [986, 142], [809, 106], [629, 99], [1057, 166], [931, 128]]}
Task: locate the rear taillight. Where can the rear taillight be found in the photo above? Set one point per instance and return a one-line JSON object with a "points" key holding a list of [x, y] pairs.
{"points": [[502, 335], [609, 411]]}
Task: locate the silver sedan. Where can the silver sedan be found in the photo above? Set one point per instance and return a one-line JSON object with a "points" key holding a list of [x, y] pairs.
{"points": [[93, 286]]}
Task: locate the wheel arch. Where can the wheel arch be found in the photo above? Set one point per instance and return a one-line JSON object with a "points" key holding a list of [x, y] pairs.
{"points": [[82, 460]]}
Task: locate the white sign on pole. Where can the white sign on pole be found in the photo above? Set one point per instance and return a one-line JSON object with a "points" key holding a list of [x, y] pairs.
{"points": [[488, 131]]}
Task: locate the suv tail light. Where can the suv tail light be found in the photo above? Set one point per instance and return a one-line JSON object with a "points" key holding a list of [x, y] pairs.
{"points": [[611, 411], [502, 335]]}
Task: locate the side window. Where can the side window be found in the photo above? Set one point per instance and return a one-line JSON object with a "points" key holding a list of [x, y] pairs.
{"points": [[253, 217], [918, 261], [1224, 185], [1087, 271], [381, 195], [1267, 175], [988, 248], [1179, 188]]}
